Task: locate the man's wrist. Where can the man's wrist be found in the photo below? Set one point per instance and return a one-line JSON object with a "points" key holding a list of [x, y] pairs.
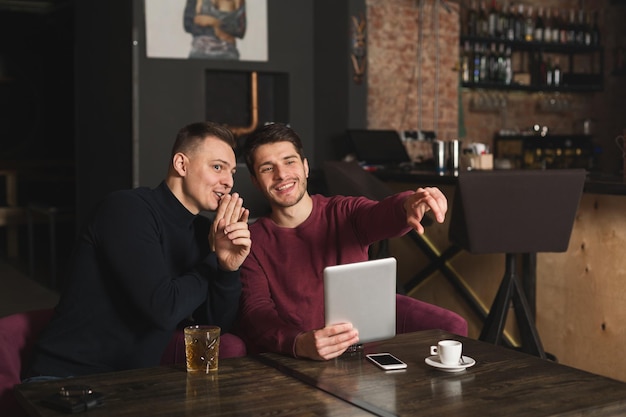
{"points": [[296, 346]]}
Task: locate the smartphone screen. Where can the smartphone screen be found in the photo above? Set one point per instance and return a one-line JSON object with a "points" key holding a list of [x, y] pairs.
{"points": [[386, 361]]}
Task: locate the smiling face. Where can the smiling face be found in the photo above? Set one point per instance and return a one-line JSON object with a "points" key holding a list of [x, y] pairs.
{"points": [[281, 174], [207, 174]]}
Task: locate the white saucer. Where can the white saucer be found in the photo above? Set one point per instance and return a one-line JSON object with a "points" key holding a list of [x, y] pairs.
{"points": [[434, 362]]}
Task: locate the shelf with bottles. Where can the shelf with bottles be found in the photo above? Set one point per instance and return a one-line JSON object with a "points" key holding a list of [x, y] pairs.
{"points": [[517, 48], [533, 88], [523, 23], [524, 151], [495, 65], [519, 45]]}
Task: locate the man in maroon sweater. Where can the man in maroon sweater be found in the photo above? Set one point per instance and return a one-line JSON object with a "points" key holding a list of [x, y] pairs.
{"points": [[282, 300]]}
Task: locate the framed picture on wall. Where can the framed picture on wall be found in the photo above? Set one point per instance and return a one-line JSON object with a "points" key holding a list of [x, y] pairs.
{"points": [[207, 29]]}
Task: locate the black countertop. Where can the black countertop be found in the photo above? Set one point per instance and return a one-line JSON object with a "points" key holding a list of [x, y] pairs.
{"points": [[596, 183]]}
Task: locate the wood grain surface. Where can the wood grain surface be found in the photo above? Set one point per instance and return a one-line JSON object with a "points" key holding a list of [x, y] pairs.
{"points": [[240, 387], [503, 382]]}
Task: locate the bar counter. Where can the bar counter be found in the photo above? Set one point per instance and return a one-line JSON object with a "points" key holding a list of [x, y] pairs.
{"points": [[596, 183]]}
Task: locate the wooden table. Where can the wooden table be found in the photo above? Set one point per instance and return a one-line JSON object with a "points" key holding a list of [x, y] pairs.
{"points": [[502, 383], [241, 387]]}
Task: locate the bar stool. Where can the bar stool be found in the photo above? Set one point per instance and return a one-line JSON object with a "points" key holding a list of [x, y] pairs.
{"points": [[515, 212]]}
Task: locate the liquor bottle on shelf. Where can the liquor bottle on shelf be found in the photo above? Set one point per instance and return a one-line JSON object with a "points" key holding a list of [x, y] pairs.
{"points": [[563, 27], [503, 21], [484, 64], [556, 73], [539, 26], [482, 22], [501, 64], [472, 19], [595, 30], [492, 20], [556, 26], [508, 66], [492, 63], [571, 27], [581, 28], [546, 36], [520, 23], [549, 73], [511, 18], [529, 26], [476, 63]]}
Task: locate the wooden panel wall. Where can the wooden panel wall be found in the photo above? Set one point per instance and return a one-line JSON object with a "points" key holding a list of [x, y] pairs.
{"points": [[581, 294]]}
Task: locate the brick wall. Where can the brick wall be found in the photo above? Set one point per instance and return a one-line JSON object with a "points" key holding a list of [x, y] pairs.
{"points": [[396, 97]]}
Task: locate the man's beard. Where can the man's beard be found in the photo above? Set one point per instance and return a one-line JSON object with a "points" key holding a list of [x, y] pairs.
{"points": [[298, 198]]}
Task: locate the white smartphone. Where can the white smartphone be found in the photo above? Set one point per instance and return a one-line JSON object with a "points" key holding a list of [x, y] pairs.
{"points": [[386, 361]]}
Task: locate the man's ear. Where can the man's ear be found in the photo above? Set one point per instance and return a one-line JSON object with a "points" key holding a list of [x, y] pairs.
{"points": [[305, 162], [179, 162]]}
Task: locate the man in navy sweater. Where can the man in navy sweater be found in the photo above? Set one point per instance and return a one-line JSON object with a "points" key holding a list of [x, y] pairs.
{"points": [[146, 260]]}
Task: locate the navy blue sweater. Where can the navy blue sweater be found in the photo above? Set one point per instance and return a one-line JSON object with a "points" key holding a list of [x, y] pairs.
{"points": [[140, 267]]}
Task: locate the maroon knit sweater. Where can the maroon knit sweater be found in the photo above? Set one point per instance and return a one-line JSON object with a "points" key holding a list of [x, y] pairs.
{"points": [[282, 278]]}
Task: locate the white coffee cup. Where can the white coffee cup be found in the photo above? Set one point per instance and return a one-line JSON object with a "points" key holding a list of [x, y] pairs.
{"points": [[449, 351]]}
